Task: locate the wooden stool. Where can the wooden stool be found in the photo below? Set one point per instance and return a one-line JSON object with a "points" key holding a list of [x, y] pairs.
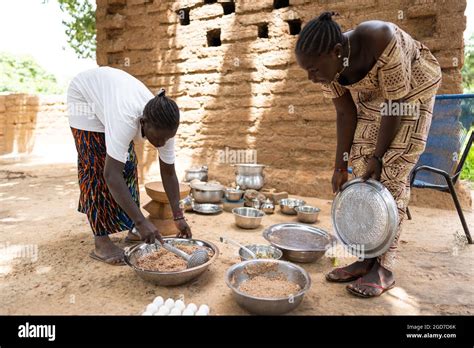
{"points": [[159, 207]]}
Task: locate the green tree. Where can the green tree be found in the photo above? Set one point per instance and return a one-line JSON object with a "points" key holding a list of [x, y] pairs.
{"points": [[24, 75], [80, 26], [468, 67], [468, 85]]}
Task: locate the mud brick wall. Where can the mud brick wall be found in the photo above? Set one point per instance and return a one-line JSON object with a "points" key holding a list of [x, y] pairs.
{"points": [[231, 68], [35, 125], [18, 114]]}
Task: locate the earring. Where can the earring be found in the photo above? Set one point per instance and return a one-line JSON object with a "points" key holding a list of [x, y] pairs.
{"points": [[339, 56]]}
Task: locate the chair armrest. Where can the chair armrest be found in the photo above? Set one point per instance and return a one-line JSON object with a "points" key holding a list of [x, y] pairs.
{"points": [[428, 169]]}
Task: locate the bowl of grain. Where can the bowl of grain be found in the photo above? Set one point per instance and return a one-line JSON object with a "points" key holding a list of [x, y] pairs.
{"points": [[268, 287], [157, 265]]}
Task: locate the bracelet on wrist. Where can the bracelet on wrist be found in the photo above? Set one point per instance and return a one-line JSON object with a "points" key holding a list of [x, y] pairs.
{"points": [[178, 215]]}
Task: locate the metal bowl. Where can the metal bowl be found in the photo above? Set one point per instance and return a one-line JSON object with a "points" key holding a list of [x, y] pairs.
{"points": [[288, 205], [168, 278], [299, 242], [233, 195], [268, 306], [262, 252], [307, 213], [248, 218]]}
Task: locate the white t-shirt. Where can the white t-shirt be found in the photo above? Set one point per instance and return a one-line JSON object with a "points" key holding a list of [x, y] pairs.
{"points": [[111, 101]]}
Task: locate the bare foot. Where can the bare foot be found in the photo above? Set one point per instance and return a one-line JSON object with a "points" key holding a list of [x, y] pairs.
{"points": [[351, 272], [374, 283], [107, 251]]}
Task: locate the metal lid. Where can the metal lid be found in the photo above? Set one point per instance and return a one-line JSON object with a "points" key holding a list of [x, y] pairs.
{"points": [[207, 186], [365, 217]]}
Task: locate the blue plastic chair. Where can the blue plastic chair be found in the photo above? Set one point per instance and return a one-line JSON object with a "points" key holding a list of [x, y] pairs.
{"points": [[441, 164]]}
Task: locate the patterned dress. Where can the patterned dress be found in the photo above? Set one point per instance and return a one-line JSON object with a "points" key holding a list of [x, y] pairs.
{"points": [[104, 214], [408, 72]]}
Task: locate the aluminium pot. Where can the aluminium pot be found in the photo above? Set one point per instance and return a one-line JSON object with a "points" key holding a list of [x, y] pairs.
{"points": [[200, 174], [249, 176]]}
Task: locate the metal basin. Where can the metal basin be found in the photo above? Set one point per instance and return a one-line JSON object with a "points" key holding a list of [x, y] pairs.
{"points": [[168, 278], [307, 213], [233, 195], [288, 205], [248, 218], [268, 306], [262, 252], [299, 242]]}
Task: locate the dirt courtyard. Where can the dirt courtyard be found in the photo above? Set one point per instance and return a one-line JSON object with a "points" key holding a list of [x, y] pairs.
{"points": [[55, 275]]}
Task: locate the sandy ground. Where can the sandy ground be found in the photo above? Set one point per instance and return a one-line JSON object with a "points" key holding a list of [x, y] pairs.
{"points": [[39, 221]]}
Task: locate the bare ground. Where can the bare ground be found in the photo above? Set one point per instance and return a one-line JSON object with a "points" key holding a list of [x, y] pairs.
{"points": [[38, 210]]}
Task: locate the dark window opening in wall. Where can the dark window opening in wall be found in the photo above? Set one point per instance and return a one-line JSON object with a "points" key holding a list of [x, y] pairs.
{"points": [[228, 7], [263, 30], [115, 8], [183, 14], [214, 38], [210, 1], [294, 26], [280, 3]]}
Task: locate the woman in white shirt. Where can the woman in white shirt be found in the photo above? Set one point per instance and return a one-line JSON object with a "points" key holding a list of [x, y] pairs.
{"points": [[109, 110]]}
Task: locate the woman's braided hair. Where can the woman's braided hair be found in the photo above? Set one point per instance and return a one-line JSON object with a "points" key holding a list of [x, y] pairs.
{"points": [[162, 112], [320, 35]]}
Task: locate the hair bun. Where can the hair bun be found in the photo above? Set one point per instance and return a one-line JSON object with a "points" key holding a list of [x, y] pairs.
{"points": [[161, 92], [327, 16]]}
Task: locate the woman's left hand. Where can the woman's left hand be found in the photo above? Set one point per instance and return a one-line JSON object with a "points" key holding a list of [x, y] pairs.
{"points": [[184, 229], [373, 170]]}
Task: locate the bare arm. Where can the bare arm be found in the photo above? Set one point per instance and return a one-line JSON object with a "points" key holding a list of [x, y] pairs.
{"points": [[346, 124], [171, 186], [389, 126], [113, 174], [118, 188]]}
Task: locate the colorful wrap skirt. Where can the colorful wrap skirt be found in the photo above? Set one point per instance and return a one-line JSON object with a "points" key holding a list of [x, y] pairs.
{"points": [[103, 212]]}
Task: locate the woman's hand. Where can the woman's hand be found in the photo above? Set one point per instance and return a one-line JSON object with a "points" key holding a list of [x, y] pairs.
{"points": [[339, 178], [184, 229], [148, 232], [373, 170]]}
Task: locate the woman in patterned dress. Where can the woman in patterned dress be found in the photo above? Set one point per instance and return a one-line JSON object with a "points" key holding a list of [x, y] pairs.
{"points": [[383, 85]]}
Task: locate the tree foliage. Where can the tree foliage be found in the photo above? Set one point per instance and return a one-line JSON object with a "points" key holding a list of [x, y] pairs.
{"points": [[468, 67], [80, 26], [23, 74]]}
